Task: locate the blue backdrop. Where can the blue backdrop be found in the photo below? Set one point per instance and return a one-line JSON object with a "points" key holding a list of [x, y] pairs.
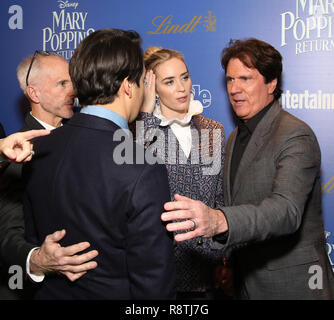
{"points": [[302, 30]]}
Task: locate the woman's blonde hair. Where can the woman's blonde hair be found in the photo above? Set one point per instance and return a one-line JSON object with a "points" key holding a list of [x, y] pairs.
{"points": [[154, 56]]}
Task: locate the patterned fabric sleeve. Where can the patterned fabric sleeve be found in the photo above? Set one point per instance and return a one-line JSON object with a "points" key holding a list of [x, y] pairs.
{"points": [[145, 128], [219, 193]]}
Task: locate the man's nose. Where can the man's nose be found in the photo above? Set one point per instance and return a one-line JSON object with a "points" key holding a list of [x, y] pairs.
{"points": [[234, 87], [71, 90]]}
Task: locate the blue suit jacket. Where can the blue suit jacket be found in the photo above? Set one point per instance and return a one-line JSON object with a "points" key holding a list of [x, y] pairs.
{"points": [[74, 183]]}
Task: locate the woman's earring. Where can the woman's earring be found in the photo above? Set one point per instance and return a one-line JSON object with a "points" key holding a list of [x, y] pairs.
{"points": [[157, 101]]}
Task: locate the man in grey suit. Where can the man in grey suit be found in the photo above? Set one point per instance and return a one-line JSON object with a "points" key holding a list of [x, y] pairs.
{"points": [[271, 226]]}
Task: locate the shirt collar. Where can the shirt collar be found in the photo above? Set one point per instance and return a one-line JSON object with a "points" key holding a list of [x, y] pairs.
{"points": [[195, 107], [253, 122], [44, 124], [106, 114]]}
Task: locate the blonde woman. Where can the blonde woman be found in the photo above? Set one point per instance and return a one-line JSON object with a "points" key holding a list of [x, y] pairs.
{"points": [[192, 148]]}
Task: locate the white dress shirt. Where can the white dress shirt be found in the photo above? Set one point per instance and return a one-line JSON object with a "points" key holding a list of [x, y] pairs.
{"points": [[181, 127]]}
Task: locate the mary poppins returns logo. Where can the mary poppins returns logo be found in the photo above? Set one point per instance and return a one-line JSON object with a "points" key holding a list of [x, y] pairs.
{"points": [[68, 27]]}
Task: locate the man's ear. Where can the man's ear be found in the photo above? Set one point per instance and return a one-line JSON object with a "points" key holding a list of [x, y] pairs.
{"points": [[272, 86], [127, 87], [33, 93]]}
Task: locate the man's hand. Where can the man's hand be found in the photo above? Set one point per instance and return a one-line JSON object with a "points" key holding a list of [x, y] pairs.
{"points": [[207, 221], [52, 257], [17, 146]]}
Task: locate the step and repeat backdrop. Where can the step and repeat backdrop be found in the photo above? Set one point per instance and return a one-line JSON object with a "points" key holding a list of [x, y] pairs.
{"points": [[302, 30]]}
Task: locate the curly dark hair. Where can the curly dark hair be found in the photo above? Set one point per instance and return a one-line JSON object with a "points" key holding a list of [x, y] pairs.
{"points": [[102, 61]]}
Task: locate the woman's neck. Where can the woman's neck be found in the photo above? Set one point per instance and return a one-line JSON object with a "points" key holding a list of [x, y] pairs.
{"points": [[172, 114]]}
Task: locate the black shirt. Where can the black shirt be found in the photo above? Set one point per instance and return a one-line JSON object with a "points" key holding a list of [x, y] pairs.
{"points": [[245, 131]]}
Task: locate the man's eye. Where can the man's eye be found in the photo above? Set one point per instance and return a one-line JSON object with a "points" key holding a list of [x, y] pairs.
{"points": [[228, 79]]}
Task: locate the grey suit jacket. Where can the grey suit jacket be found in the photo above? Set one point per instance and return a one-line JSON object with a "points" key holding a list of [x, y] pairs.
{"points": [[274, 216]]}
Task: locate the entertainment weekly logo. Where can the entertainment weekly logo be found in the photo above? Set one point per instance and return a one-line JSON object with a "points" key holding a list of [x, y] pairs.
{"points": [[309, 25], [67, 29], [308, 100]]}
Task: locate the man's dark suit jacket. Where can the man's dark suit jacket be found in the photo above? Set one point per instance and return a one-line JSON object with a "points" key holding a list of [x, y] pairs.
{"points": [[74, 183], [14, 248], [2, 135], [2, 132]]}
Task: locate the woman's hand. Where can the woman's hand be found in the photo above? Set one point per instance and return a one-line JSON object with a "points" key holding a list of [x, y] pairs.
{"points": [[149, 92]]}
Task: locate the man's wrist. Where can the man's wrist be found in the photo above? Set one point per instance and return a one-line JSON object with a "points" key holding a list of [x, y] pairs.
{"points": [[33, 269], [221, 233], [221, 222], [34, 263]]}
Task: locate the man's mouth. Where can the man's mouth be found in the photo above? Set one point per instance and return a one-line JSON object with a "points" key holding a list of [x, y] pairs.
{"points": [[238, 101], [70, 103]]}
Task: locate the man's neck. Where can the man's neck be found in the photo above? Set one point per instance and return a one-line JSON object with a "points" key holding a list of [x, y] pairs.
{"points": [[115, 107], [52, 121]]}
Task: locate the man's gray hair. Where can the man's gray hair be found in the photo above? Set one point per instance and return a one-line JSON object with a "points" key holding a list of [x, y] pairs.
{"points": [[23, 67]]}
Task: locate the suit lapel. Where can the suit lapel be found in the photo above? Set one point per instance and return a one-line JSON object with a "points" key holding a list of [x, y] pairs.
{"points": [[227, 167], [255, 144], [30, 123]]}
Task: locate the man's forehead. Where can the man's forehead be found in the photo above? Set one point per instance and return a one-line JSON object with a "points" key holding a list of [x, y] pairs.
{"points": [[51, 60], [236, 65], [55, 66]]}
